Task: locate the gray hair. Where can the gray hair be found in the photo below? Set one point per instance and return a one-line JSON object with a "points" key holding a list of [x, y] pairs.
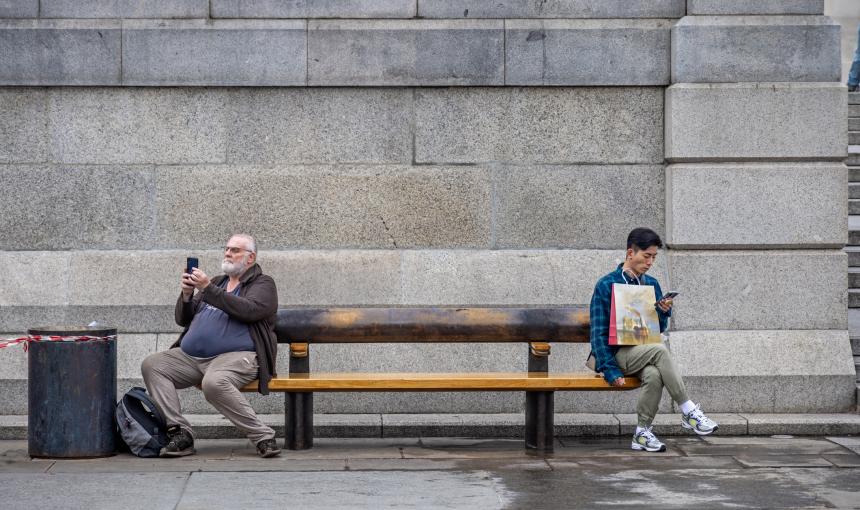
{"points": [[252, 243]]}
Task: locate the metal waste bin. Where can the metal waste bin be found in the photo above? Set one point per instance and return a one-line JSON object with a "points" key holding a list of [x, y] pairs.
{"points": [[72, 393]]}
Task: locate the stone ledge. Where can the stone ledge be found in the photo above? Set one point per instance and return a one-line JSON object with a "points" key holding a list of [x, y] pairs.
{"points": [[504, 425], [62, 52], [123, 9], [314, 9], [727, 49], [741, 7], [556, 9], [587, 52], [405, 52], [214, 53]]}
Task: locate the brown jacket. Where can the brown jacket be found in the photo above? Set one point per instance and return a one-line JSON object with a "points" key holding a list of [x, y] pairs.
{"points": [[257, 306]]}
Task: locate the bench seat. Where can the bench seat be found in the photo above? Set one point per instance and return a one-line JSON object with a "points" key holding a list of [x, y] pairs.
{"points": [[483, 381]]}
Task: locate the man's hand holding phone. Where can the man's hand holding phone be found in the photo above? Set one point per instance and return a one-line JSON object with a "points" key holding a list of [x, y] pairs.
{"points": [[187, 281], [665, 304]]}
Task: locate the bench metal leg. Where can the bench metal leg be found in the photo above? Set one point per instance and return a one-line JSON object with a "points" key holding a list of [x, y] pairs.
{"points": [[539, 421], [299, 422], [299, 419], [539, 404]]}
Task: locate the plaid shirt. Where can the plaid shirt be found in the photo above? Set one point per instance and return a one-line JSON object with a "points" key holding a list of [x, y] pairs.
{"points": [[601, 301]]}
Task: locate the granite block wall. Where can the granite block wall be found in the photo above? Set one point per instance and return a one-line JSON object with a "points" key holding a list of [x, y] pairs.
{"points": [[444, 153]]}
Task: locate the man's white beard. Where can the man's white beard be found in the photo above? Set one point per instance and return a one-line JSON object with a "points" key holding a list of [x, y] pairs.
{"points": [[234, 268]]}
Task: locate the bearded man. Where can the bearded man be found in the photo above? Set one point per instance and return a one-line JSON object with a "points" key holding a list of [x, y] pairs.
{"points": [[229, 340]]}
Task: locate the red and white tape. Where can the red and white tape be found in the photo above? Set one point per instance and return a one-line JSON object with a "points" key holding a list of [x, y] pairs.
{"points": [[25, 340]]}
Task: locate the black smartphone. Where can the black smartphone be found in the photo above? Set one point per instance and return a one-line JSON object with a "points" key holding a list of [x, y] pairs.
{"points": [[671, 294], [190, 264]]}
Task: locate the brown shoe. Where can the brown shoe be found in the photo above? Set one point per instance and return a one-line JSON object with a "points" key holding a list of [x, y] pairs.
{"points": [[268, 448]]}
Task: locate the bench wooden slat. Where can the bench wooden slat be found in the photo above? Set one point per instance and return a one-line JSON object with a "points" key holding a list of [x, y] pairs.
{"points": [[410, 325], [490, 381]]}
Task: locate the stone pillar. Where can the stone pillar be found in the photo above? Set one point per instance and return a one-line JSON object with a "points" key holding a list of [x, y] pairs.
{"points": [[756, 207]]}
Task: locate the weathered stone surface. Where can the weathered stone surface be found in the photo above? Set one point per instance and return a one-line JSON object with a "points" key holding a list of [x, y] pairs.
{"points": [[124, 9], [37, 52], [537, 125], [722, 7], [409, 52], [314, 9], [34, 278], [154, 276], [83, 207], [329, 206], [137, 125], [713, 49], [221, 52], [339, 277], [23, 125], [551, 9], [587, 52], [19, 9], [347, 125], [753, 290], [755, 121], [507, 277], [769, 205], [567, 206], [776, 371]]}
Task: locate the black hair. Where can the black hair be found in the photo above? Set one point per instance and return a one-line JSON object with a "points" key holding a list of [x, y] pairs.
{"points": [[643, 238]]}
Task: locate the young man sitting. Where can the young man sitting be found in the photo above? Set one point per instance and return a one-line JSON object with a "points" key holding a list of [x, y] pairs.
{"points": [[652, 363]]}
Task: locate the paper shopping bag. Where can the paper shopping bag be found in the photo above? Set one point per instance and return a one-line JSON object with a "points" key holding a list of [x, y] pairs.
{"points": [[632, 315]]}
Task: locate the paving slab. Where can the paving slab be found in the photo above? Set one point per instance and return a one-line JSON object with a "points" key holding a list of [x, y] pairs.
{"points": [[852, 443], [789, 445], [644, 460], [606, 447], [83, 490], [638, 489], [329, 490], [846, 461], [464, 448], [780, 460]]}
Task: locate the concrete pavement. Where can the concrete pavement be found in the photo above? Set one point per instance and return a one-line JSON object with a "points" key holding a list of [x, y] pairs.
{"points": [[712, 472]]}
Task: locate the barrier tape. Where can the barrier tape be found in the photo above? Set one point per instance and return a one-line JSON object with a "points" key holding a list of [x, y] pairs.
{"points": [[25, 340]]}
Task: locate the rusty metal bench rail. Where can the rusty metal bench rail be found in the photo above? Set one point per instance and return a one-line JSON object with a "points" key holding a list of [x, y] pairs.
{"points": [[300, 327]]}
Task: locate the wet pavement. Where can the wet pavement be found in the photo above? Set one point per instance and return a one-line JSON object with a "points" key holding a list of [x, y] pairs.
{"points": [[711, 472]]}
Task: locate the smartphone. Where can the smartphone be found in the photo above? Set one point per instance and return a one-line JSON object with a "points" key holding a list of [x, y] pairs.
{"points": [[672, 294], [190, 264]]}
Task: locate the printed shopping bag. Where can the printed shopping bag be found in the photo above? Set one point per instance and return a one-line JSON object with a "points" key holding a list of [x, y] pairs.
{"points": [[632, 315]]}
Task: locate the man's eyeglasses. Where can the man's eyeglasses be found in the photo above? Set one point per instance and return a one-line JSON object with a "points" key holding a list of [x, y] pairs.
{"points": [[235, 249]]}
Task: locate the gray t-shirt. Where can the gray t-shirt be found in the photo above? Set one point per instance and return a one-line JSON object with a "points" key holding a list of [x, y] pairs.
{"points": [[213, 332]]}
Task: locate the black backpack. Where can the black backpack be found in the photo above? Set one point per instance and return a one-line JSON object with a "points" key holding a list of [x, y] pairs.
{"points": [[140, 424]]}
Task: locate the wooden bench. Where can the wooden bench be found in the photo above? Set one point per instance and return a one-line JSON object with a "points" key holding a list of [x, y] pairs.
{"points": [[536, 326]]}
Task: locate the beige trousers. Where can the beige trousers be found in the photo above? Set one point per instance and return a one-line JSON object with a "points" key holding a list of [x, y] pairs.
{"points": [[220, 378], [653, 364]]}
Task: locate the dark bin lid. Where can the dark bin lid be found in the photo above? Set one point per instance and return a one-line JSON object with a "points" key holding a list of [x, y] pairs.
{"points": [[72, 331]]}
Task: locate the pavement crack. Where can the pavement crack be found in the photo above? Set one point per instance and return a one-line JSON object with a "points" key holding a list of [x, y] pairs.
{"points": [[182, 492]]}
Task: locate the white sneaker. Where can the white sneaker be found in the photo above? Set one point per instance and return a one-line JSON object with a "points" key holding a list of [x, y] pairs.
{"points": [[646, 440], [698, 422]]}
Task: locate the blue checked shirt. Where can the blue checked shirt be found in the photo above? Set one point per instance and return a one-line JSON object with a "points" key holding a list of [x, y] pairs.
{"points": [[601, 302]]}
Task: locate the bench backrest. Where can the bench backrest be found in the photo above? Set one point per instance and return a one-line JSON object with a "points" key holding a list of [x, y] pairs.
{"points": [[405, 325]]}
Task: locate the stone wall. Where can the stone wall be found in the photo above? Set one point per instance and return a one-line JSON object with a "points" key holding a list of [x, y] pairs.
{"points": [[436, 152]]}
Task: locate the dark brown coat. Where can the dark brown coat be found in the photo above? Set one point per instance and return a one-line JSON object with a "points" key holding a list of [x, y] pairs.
{"points": [[256, 305]]}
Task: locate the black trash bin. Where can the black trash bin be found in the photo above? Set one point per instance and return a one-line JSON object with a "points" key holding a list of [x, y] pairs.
{"points": [[72, 394]]}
